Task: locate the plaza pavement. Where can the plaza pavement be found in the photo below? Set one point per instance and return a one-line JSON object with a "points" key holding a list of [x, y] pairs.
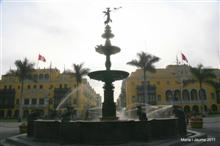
{"points": [[212, 128], [8, 129]]}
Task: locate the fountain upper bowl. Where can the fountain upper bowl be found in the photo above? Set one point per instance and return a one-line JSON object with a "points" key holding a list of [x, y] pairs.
{"points": [[108, 75]]}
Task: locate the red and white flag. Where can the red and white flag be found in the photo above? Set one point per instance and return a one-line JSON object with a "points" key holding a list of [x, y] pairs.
{"points": [[184, 57], [41, 58]]}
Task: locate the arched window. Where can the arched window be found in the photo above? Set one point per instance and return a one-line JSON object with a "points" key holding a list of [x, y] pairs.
{"points": [[186, 109], [214, 108], [176, 95], [169, 95], [185, 95], [202, 94], [195, 108], [194, 95], [205, 108]]}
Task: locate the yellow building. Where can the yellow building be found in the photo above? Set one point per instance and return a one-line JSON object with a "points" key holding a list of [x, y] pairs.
{"points": [[166, 87], [44, 94]]}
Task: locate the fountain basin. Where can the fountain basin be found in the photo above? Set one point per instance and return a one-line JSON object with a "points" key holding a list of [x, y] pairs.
{"points": [[107, 50], [105, 132], [108, 75]]}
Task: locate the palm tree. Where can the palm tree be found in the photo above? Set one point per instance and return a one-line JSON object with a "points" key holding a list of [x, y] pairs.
{"points": [[23, 72], [145, 61], [202, 75], [79, 72]]}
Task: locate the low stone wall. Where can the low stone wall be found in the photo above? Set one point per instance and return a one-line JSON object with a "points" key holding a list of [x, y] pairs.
{"points": [[163, 128], [47, 130], [104, 132]]}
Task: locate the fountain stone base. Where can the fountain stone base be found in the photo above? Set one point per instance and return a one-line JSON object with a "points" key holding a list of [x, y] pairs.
{"points": [[104, 132]]}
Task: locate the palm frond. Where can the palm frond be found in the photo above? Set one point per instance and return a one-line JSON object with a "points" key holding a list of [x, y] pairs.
{"points": [[145, 61], [202, 74], [79, 72], [24, 69], [135, 63]]}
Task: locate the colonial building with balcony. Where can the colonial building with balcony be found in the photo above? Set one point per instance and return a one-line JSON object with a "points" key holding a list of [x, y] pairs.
{"points": [[42, 95], [167, 87]]}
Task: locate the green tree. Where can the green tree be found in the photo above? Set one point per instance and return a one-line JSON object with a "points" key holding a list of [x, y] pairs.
{"points": [[146, 63], [202, 75], [79, 72], [23, 72]]}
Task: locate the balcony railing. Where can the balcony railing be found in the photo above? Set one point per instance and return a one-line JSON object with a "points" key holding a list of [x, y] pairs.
{"points": [[188, 102], [35, 105]]}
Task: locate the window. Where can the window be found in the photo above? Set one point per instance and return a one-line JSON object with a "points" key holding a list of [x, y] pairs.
{"points": [[29, 86], [34, 101], [158, 82], [177, 95], [185, 95], [159, 97], [35, 77], [213, 95], [51, 86], [10, 87], [18, 87], [41, 101], [65, 85], [17, 101], [26, 101], [168, 82], [133, 98], [5, 87], [169, 95], [194, 95], [61, 86], [202, 94], [41, 86], [46, 76], [35, 86], [41, 76]]}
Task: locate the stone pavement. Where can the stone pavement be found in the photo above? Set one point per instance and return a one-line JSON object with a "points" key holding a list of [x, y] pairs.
{"points": [[212, 128], [23, 140], [8, 129]]}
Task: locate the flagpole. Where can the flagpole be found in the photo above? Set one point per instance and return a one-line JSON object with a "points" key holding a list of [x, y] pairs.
{"points": [[50, 69]]}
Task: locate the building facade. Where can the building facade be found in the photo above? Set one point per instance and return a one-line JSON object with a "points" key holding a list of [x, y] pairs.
{"points": [[43, 94], [167, 86]]}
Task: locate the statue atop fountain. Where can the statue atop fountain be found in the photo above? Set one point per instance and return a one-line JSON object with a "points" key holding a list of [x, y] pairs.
{"points": [[108, 76]]}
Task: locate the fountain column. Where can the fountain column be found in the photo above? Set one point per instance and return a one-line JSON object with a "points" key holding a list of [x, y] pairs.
{"points": [[108, 106], [108, 76]]}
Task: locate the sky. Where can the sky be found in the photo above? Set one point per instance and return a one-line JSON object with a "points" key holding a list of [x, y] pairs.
{"points": [[66, 32]]}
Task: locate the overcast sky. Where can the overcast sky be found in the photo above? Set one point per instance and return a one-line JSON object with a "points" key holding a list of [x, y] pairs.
{"points": [[66, 32]]}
